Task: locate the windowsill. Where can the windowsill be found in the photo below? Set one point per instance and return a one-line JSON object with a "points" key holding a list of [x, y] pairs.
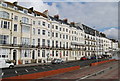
{"points": [[25, 23], [6, 19], [4, 28]]}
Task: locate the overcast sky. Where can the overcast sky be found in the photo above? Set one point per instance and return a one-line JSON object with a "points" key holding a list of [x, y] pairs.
{"points": [[99, 14]]}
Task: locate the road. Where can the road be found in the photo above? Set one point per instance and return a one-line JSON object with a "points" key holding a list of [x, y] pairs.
{"points": [[41, 68], [103, 71]]}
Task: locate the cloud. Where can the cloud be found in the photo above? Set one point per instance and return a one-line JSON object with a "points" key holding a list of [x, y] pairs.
{"points": [[98, 14], [112, 33], [38, 5], [94, 14], [69, 0], [11, 0]]}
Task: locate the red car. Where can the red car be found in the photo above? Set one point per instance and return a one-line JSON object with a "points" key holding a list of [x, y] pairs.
{"points": [[83, 58]]}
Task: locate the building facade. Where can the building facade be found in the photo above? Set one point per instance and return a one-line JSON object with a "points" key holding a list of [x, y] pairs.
{"points": [[29, 36]]}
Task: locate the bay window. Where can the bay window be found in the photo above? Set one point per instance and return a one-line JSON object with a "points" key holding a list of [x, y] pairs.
{"points": [[4, 53], [4, 39], [25, 29], [4, 14], [25, 41], [25, 20], [5, 24], [25, 53]]}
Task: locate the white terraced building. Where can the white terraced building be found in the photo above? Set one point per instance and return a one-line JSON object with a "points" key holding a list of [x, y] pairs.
{"points": [[29, 36]]}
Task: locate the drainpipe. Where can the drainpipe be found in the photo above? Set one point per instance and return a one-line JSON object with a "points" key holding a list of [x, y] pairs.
{"points": [[11, 36]]}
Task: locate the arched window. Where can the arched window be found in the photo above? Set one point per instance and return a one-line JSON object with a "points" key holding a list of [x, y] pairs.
{"points": [[4, 14]]}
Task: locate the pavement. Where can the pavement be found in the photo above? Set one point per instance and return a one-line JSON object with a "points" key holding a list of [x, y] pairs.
{"points": [[32, 64], [37, 64]]}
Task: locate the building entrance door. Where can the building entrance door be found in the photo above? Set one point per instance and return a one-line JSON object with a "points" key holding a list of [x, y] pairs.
{"points": [[14, 56], [33, 54]]}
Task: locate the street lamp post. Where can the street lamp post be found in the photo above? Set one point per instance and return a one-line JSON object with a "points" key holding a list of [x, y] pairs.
{"points": [[97, 44]]}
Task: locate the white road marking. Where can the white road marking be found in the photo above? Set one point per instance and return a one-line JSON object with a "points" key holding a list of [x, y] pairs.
{"points": [[84, 67], [49, 66], [43, 67], [93, 74], [16, 72], [2, 74], [35, 69], [26, 70]]}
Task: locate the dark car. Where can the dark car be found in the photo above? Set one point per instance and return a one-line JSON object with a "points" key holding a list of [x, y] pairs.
{"points": [[57, 61], [83, 58], [93, 57]]}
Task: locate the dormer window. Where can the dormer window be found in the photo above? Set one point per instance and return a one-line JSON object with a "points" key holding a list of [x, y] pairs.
{"points": [[4, 14], [15, 8], [4, 4], [25, 20], [25, 11]]}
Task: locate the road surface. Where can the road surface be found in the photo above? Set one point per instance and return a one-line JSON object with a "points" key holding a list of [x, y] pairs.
{"points": [[105, 71], [41, 68]]}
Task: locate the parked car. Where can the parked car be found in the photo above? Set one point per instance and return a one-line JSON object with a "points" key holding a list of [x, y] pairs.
{"points": [[88, 57], [83, 58], [99, 57], [5, 63], [57, 61], [93, 57]]}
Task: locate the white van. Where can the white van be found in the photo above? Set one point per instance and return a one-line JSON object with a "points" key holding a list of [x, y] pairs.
{"points": [[5, 63]]}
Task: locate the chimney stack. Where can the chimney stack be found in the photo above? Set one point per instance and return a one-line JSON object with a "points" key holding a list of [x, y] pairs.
{"points": [[46, 12], [65, 20], [72, 23], [31, 8], [15, 3], [56, 16]]}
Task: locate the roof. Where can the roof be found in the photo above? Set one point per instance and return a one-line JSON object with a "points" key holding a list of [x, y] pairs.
{"points": [[41, 14], [30, 11]]}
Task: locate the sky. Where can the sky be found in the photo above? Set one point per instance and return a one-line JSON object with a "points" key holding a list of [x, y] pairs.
{"points": [[101, 15]]}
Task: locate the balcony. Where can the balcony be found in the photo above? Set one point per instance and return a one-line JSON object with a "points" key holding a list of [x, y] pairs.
{"points": [[25, 46], [19, 45], [77, 44], [43, 47], [27, 24], [5, 44]]}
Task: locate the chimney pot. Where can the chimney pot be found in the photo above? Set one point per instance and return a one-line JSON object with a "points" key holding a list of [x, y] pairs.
{"points": [[72, 23], [31, 8], [46, 12], [15, 3], [56, 16], [65, 20]]}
